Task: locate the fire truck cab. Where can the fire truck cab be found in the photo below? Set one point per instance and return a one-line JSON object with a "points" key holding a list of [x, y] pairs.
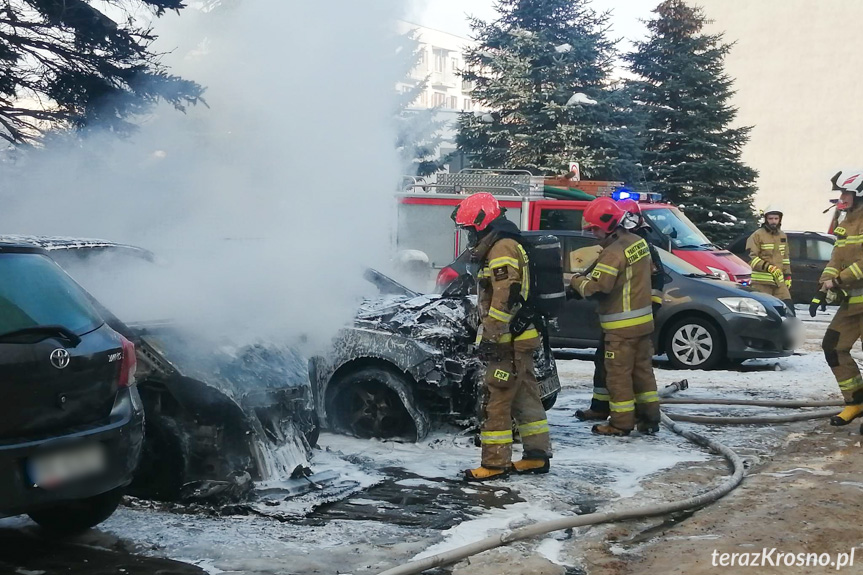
{"points": [[534, 203]]}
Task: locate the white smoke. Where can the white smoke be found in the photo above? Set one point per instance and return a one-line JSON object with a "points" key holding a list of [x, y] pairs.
{"points": [[268, 204]]}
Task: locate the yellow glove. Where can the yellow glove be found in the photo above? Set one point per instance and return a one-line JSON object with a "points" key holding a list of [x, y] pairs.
{"points": [[777, 274], [788, 282]]}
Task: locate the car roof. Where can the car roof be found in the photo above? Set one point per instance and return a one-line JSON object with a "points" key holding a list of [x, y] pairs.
{"points": [[68, 244], [824, 235], [577, 233]]}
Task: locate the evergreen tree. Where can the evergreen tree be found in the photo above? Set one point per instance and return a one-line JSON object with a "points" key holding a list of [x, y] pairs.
{"points": [[691, 154], [64, 63], [543, 69]]}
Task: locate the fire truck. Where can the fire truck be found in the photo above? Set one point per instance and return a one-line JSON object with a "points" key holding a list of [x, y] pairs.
{"points": [[537, 203]]}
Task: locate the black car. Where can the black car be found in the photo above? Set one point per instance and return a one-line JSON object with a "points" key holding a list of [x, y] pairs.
{"points": [[72, 422], [703, 320], [809, 253], [406, 361], [220, 415]]}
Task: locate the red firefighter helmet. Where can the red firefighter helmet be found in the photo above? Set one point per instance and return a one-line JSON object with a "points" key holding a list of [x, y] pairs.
{"points": [[631, 206], [477, 211], [603, 213]]}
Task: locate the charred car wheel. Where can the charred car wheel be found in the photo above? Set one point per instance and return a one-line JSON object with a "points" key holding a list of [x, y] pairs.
{"points": [[376, 402], [75, 516]]}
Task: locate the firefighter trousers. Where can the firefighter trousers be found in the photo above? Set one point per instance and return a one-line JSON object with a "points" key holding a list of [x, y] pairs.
{"points": [[599, 401], [630, 381], [841, 335], [512, 393]]}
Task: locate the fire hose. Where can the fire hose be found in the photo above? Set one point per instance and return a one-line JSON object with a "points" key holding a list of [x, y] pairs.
{"points": [[736, 477]]}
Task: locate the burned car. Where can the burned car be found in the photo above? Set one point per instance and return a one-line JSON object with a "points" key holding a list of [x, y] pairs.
{"points": [[218, 415], [406, 362]]}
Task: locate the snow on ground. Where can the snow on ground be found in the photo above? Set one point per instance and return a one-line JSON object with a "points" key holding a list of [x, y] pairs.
{"points": [[400, 482]]}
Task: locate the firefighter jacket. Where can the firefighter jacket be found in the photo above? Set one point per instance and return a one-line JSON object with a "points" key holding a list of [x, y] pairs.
{"points": [[622, 272], [845, 267], [504, 282], [767, 249]]}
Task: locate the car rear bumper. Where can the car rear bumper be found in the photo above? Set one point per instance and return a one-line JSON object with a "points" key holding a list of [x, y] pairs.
{"points": [[121, 436], [750, 337]]}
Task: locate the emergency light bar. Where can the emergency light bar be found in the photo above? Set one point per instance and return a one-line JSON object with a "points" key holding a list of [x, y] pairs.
{"points": [[624, 194]]}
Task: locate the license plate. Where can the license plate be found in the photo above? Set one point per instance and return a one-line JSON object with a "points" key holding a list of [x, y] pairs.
{"points": [[548, 386], [58, 467]]}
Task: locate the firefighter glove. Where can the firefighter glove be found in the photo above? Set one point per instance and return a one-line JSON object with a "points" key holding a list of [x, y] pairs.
{"points": [[820, 299], [777, 274], [788, 282], [571, 293]]}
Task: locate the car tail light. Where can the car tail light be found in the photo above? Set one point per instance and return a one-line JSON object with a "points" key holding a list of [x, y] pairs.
{"points": [[128, 365], [446, 276]]}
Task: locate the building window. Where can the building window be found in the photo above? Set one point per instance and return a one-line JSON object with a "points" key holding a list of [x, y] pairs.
{"points": [[454, 64], [423, 100], [440, 60], [452, 104], [438, 99], [468, 105], [424, 60], [466, 85]]}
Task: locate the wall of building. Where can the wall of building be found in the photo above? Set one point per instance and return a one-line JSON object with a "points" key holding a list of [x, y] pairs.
{"points": [[796, 64]]}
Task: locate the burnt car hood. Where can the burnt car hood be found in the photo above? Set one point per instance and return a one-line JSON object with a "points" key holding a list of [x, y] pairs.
{"points": [[429, 317], [243, 372]]}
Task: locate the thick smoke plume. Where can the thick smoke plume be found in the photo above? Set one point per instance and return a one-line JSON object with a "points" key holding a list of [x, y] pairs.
{"points": [[265, 206]]}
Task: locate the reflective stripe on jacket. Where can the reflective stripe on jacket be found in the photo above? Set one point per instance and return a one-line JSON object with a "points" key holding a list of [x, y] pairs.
{"points": [[767, 248], [622, 272], [504, 276], [845, 267]]}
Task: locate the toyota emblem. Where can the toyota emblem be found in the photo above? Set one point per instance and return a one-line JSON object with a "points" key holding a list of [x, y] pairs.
{"points": [[59, 358]]}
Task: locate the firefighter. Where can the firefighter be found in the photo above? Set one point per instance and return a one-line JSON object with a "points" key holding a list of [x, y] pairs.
{"points": [[769, 258], [510, 385], [634, 222], [620, 280], [844, 277]]}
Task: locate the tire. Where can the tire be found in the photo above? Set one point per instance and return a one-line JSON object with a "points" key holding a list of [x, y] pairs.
{"points": [[365, 404], [549, 401], [77, 516], [162, 471], [694, 343]]}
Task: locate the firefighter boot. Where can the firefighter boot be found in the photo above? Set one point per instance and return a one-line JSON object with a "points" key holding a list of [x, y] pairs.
{"points": [[647, 427], [849, 414], [485, 473], [590, 415], [610, 430], [532, 462]]}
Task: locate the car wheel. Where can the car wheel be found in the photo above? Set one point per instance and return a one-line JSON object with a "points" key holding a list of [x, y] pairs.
{"points": [[366, 404], [549, 401], [694, 343], [161, 473], [76, 516]]}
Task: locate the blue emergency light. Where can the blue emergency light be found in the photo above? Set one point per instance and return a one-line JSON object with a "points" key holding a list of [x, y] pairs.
{"points": [[624, 194]]}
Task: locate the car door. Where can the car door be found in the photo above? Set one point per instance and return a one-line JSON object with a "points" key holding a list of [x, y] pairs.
{"points": [[578, 324], [809, 256]]}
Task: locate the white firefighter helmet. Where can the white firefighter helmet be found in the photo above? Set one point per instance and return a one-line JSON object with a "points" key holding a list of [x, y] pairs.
{"points": [[848, 181], [774, 209]]}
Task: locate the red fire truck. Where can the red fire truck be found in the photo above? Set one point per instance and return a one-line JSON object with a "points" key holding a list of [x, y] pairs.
{"points": [[535, 203]]}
